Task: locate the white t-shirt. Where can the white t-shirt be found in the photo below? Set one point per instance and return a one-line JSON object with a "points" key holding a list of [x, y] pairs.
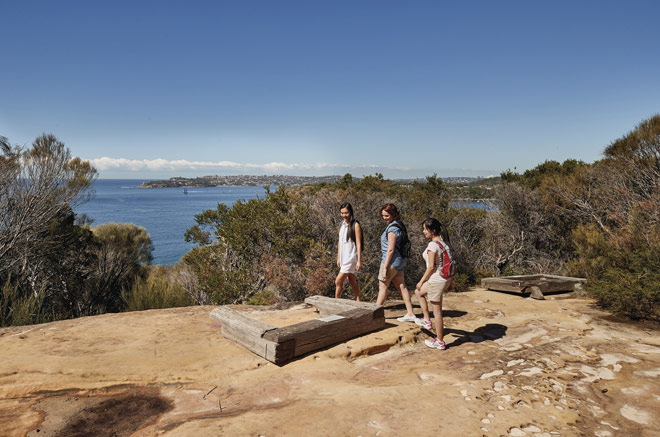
{"points": [[434, 247]]}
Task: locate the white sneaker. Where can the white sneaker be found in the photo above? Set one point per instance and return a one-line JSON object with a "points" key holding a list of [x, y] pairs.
{"points": [[407, 318], [436, 344], [424, 323]]}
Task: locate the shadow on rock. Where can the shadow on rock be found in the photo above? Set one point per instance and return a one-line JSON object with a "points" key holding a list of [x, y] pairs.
{"points": [[392, 311], [491, 331], [117, 416]]}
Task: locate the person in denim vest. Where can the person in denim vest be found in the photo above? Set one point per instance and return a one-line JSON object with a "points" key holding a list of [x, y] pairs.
{"points": [[392, 263]]}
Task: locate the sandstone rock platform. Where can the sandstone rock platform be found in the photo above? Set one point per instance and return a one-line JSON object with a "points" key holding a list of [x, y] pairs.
{"points": [[513, 366]]}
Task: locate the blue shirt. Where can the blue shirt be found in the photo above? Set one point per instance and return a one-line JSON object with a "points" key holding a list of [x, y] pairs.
{"points": [[398, 262]]}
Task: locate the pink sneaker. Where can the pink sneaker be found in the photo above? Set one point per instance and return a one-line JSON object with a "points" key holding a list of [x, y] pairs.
{"points": [[436, 344], [424, 323]]}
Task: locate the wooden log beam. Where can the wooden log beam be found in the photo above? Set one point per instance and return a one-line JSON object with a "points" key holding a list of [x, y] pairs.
{"points": [[525, 283], [325, 331], [329, 305], [248, 332], [347, 319], [503, 285]]}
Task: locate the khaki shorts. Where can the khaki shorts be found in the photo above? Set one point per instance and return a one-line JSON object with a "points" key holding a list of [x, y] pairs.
{"points": [[391, 273], [435, 290]]}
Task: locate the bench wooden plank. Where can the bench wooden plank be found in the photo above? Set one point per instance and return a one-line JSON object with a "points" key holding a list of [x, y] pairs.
{"points": [[247, 332], [241, 321], [329, 305], [316, 334], [525, 283], [279, 345]]}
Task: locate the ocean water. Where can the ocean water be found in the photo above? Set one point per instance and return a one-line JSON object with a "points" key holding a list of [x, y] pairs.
{"points": [[166, 213], [486, 205]]}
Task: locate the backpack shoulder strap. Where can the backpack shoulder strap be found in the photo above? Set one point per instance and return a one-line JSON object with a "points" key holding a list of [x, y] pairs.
{"points": [[394, 225]]}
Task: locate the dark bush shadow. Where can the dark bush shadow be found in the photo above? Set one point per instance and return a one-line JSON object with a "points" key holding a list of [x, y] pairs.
{"points": [[490, 331], [525, 294], [418, 312]]}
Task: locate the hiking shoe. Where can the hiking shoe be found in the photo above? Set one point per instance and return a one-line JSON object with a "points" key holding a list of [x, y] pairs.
{"points": [[406, 318], [424, 323], [436, 344]]}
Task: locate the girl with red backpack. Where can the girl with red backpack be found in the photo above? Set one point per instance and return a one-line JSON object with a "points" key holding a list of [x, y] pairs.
{"points": [[436, 279]]}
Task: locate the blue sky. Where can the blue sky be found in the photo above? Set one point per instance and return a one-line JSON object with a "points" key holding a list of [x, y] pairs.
{"points": [[161, 89]]}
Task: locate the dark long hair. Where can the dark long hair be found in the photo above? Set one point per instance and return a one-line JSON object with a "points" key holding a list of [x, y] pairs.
{"points": [[438, 229], [350, 235]]}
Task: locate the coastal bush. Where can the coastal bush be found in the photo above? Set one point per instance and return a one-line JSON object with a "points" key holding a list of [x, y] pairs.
{"points": [[287, 241], [121, 254], [158, 289], [43, 252], [612, 210], [53, 265], [38, 185], [17, 309]]}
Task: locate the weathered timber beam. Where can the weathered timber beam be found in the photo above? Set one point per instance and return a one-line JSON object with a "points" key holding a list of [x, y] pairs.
{"points": [[240, 321], [567, 278], [279, 345], [329, 305], [248, 332], [502, 285], [315, 334]]}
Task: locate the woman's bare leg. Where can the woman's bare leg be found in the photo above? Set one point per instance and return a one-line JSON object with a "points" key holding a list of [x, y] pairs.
{"points": [[382, 292], [354, 285], [401, 286], [421, 296], [339, 285], [437, 318]]}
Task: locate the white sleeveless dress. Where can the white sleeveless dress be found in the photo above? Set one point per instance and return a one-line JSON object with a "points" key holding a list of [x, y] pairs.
{"points": [[347, 251]]}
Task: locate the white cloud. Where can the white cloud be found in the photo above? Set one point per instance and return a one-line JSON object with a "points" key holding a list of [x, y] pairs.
{"points": [[159, 168], [159, 164]]}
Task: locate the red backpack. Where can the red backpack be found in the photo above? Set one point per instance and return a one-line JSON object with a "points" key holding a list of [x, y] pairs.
{"points": [[448, 268]]}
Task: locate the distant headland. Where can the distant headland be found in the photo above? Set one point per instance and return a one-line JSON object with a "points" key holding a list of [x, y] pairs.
{"points": [[261, 180]]}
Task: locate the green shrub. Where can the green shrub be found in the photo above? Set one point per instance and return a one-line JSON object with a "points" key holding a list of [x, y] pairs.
{"points": [[157, 290], [265, 297], [630, 285], [16, 310], [461, 282]]}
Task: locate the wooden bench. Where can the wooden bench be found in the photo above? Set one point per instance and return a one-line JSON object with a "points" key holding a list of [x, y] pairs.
{"points": [[340, 320], [535, 285]]}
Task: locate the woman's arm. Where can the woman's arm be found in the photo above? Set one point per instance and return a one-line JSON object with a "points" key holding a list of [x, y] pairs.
{"points": [[339, 251], [358, 243], [391, 246], [430, 266]]}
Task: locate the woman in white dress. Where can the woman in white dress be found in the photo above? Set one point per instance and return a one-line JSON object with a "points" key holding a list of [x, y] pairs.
{"points": [[349, 251]]}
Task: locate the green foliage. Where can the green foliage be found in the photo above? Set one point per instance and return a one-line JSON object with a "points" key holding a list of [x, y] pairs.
{"points": [[377, 184], [427, 199], [641, 142], [534, 178], [616, 205], [122, 251], [18, 309], [591, 251], [221, 284], [628, 279], [265, 297], [481, 189], [269, 238], [462, 282], [156, 290]]}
